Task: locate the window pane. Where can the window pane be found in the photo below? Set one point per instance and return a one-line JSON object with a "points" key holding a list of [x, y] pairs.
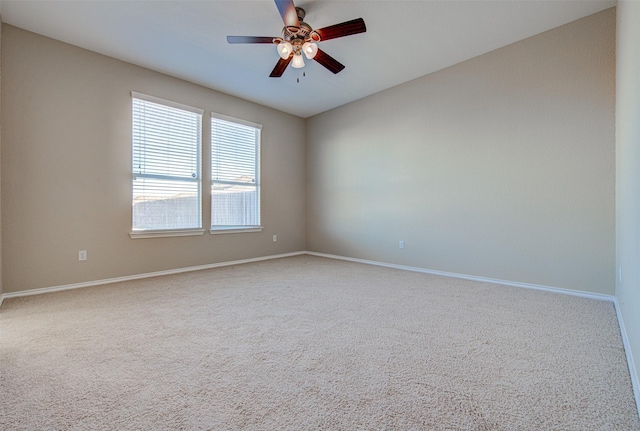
{"points": [[233, 151], [165, 205], [165, 140], [235, 173], [234, 205], [166, 166]]}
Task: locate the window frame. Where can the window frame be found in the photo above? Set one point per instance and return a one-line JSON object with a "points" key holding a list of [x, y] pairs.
{"points": [[154, 233], [222, 229]]}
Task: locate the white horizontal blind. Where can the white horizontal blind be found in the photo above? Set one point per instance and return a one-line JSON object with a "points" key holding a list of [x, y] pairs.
{"points": [[166, 165], [235, 173]]}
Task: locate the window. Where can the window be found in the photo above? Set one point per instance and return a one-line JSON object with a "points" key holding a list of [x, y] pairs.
{"points": [[235, 175], [166, 167]]}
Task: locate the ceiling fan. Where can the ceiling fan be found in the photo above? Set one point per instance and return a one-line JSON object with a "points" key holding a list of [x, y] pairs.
{"points": [[299, 38]]}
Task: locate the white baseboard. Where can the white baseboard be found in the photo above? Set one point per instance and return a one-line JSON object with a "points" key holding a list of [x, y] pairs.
{"points": [[140, 276], [635, 382], [580, 293], [312, 253]]}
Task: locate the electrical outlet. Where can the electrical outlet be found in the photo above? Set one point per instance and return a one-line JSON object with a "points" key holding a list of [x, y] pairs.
{"points": [[401, 245], [82, 255], [275, 238]]}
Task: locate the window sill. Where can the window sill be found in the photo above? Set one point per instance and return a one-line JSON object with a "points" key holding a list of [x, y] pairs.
{"points": [[235, 229], [165, 233]]}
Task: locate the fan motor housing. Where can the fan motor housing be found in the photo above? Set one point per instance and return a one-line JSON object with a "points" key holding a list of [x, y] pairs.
{"points": [[302, 32], [290, 33]]}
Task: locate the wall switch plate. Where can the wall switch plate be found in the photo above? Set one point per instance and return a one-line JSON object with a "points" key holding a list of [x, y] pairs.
{"points": [[275, 238], [401, 245], [82, 255]]}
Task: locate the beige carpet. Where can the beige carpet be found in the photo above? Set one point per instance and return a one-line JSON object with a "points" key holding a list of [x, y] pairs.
{"points": [[307, 343]]}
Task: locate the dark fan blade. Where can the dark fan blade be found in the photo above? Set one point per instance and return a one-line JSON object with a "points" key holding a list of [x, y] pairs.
{"points": [[288, 12], [249, 39], [343, 29], [280, 67], [327, 61]]}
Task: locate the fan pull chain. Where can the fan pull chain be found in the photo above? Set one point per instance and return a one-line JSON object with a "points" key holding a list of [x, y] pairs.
{"points": [[303, 75]]}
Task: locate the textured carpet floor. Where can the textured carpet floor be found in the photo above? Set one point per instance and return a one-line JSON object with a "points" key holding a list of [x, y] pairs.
{"points": [[307, 343]]}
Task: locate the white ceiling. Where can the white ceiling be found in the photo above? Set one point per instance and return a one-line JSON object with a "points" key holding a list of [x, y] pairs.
{"points": [[187, 39]]}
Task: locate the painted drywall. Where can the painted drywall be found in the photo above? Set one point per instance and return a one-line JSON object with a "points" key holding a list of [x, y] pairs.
{"points": [[502, 166], [66, 169], [1, 285], [628, 171]]}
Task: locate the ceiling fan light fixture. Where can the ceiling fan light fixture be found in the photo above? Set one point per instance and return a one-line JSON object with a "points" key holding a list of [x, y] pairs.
{"points": [[298, 61], [310, 49], [284, 50], [298, 37]]}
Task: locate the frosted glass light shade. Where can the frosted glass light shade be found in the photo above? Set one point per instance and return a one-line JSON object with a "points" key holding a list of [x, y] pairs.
{"points": [[310, 49], [284, 50], [298, 61]]}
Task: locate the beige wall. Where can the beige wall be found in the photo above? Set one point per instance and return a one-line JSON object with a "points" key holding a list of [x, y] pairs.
{"points": [[66, 169], [628, 172], [500, 167], [1, 285]]}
